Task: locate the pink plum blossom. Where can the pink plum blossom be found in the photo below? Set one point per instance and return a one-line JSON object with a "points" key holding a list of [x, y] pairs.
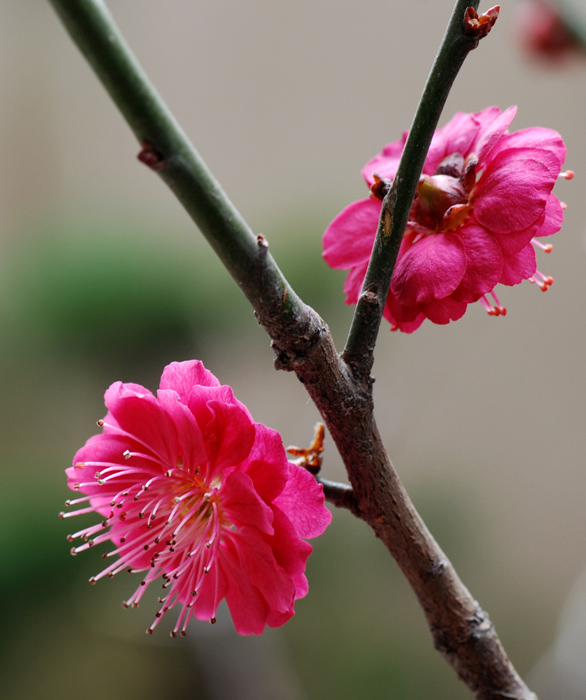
{"points": [[195, 494], [483, 199]]}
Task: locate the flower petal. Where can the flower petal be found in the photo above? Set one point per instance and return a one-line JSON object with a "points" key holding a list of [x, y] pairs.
{"points": [[484, 264], [490, 136], [385, 163], [190, 436], [348, 240], [431, 269], [354, 282], [302, 501], [137, 412], [242, 505], [554, 217], [405, 318], [519, 267], [183, 376], [535, 138], [512, 193], [267, 464], [443, 311]]}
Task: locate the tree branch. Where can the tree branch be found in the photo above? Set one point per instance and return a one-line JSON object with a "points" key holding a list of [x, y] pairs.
{"points": [[302, 342], [456, 45], [339, 495]]}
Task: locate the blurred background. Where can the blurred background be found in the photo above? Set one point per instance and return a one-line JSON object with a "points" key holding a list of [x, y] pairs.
{"points": [[103, 277]]}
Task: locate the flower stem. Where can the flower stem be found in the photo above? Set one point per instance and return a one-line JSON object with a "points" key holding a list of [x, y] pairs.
{"points": [[455, 46]]}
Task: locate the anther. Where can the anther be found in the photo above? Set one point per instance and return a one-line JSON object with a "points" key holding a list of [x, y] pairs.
{"points": [[126, 454]]}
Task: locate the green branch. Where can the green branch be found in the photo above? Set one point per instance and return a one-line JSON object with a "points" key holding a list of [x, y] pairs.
{"points": [[456, 45]]}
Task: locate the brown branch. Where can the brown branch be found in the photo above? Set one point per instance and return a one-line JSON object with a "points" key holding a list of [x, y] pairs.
{"points": [[339, 495], [461, 630]]}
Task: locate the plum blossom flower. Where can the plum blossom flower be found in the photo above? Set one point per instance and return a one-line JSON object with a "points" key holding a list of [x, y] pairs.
{"points": [[195, 494], [483, 199]]}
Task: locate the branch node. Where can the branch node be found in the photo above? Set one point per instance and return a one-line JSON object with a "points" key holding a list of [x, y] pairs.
{"points": [[370, 296], [262, 243], [152, 158]]}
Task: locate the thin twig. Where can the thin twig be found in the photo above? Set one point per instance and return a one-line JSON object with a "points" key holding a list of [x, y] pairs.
{"points": [[455, 46], [339, 495]]}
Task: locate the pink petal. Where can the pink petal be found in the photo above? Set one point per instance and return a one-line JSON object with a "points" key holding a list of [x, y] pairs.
{"points": [[302, 501], [213, 590], [512, 193], [290, 552], [138, 413], [554, 217], [354, 282], [242, 505], [267, 463], [457, 136], [349, 238], [258, 568], [229, 435], [484, 264], [405, 318], [519, 267], [489, 137], [445, 310], [385, 164], [189, 433], [183, 376], [431, 269], [535, 138], [512, 243]]}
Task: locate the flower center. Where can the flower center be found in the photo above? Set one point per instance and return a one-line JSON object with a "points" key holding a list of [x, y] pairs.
{"points": [[442, 202]]}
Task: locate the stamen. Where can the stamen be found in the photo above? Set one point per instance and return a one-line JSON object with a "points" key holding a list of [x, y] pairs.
{"points": [[545, 247], [544, 282], [567, 175], [493, 310]]}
